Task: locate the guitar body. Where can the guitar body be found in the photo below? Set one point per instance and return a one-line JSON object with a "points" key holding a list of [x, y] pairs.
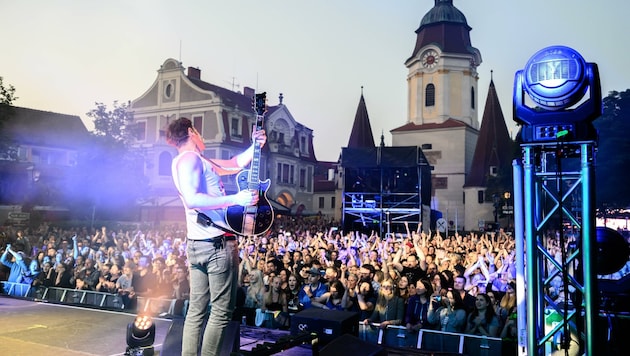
{"points": [[255, 219], [251, 220]]}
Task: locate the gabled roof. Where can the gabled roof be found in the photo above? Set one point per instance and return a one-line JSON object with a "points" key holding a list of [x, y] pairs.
{"points": [[448, 124], [494, 145], [44, 128], [361, 134], [229, 97]]}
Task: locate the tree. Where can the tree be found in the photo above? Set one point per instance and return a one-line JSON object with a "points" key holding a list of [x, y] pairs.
{"points": [[7, 97], [613, 158], [7, 94], [111, 176]]}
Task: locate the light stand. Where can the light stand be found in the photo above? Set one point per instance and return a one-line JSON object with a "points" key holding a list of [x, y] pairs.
{"points": [[557, 168]]}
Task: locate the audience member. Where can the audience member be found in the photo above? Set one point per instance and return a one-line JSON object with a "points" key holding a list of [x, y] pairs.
{"points": [[416, 314], [334, 296], [389, 308], [482, 320], [451, 313], [313, 293]]}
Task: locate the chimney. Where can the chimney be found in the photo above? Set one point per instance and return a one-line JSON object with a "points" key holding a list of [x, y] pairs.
{"points": [[249, 92], [194, 73]]}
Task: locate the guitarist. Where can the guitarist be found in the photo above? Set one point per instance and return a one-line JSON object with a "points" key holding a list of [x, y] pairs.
{"points": [[212, 253]]}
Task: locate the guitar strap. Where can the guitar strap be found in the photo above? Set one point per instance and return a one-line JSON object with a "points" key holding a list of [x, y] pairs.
{"points": [[205, 220]]}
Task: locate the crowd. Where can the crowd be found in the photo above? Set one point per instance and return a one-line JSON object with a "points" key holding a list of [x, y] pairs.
{"points": [[457, 283]]}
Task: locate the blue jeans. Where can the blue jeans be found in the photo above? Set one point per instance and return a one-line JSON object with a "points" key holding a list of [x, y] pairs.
{"points": [[213, 279]]}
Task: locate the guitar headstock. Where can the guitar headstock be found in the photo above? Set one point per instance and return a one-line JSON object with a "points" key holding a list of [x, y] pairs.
{"points": [[259, 103]]}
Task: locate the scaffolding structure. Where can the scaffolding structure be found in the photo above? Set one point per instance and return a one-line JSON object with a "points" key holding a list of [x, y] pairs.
{"points": [[384, 187]]}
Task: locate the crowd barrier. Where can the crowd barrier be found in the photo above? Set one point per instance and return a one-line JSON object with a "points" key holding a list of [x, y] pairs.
{"points": [[392, 336], [153, 306], [430, 340]]}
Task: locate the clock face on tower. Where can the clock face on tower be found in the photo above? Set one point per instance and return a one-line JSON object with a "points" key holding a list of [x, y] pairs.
{"points": [[430, 59]]}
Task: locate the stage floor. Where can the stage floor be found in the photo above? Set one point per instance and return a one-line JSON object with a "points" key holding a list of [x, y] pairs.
{"points": [[38, 328]]}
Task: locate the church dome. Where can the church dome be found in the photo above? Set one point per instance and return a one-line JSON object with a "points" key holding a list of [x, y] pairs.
{"points": [[443, 11]]}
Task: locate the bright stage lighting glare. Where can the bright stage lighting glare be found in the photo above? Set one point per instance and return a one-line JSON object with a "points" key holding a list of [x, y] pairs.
{"points": [[557, 80], [555, 77]]}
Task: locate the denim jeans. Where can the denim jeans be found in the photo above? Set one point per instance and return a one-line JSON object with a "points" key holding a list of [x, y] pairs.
{"points": [[213, 279]]}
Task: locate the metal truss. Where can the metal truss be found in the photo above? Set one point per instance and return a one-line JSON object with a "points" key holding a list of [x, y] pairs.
{"points": [[556, 184]]}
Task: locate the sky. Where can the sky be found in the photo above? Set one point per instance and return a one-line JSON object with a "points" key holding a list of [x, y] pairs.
{"points": [[64, 56]]}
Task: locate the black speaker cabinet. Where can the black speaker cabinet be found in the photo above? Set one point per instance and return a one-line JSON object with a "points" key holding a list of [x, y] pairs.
{"points": [[348, 345], [327, 324], [232, 338]]}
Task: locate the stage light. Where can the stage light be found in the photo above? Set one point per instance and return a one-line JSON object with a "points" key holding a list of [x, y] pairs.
{"points": [[557, 79], [140, 336]]}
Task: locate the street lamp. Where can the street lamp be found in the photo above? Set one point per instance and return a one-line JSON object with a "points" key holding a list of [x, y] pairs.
{"points": [[508, 209]]}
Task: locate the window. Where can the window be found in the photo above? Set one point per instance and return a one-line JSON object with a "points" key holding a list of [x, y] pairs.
{"points": [[439, 182], [140, 130], [332, 202], [235, 129], [472, 98], [494, 170], [321, 202], [164, 165], [286, 173], [303, 147], [302, 178], [198, 124], [429, 95], [480, 197], [309, 179]]}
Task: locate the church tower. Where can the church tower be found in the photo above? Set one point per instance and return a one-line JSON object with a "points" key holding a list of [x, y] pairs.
{"points": [[442, 105]]}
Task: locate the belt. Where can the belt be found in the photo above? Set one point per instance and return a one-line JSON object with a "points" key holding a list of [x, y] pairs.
{"points": [[219, 240]]}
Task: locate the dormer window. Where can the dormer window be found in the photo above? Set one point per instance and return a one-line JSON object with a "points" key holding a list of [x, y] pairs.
{"points": [[494, 171], [235, 128]]}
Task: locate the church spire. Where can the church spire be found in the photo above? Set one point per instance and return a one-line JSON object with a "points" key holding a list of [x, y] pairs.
{"points": [[494, 145], [361, 134]]}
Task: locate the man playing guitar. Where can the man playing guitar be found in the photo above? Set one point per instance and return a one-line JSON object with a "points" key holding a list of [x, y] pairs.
{"points": [[212, 253]]}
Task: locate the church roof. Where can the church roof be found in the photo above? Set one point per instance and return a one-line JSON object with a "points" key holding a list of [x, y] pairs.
{"points": [[361, 134], [443, 11], [446, 27], [494, 145]]}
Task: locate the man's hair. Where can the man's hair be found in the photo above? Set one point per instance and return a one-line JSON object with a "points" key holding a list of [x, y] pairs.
{"points": [[177, 132], [369, 267]]}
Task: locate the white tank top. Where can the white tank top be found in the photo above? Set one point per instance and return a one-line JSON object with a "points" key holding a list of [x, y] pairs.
{"points": [[214, 187]]}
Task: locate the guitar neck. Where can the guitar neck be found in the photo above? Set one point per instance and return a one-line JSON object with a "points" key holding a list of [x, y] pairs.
{"points": [[254, 174]]}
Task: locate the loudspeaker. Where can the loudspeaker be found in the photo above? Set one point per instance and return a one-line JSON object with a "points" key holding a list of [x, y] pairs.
{"points": [[348, 345], [327, 324], [232, 338]]}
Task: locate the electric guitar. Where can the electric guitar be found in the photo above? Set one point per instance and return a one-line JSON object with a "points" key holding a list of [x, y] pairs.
{"points": [[255, 219]]}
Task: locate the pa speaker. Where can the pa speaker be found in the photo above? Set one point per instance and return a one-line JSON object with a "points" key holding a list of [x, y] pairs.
{"points": [[347, 345], [232, 338], [327, 324]]}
